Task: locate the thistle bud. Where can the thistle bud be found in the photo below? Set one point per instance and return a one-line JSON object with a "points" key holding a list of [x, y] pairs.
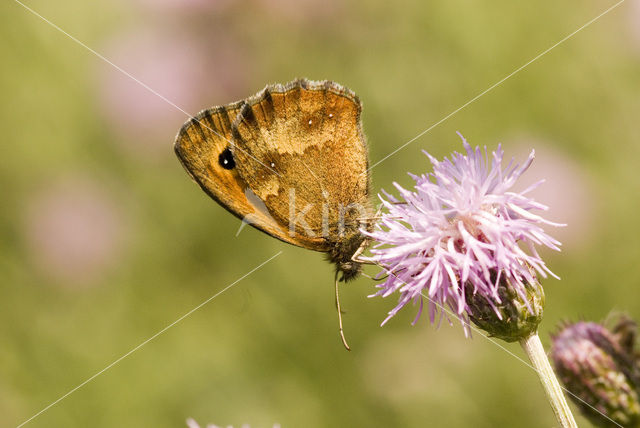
{"points": [[599, 367], [625, 331], [514, 315]]}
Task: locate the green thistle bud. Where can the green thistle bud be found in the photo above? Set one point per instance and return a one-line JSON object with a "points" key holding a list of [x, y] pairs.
{"points": [[599, 366], [515, 316]]}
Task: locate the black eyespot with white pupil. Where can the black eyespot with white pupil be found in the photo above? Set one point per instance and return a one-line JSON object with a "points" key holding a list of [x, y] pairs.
{"points": [[226, 159]]}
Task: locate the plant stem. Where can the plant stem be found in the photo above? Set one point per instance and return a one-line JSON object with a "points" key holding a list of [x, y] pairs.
{"points": [[538, 357]]}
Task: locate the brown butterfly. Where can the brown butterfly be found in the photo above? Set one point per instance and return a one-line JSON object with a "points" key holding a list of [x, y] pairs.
{"points": [[291, 161]]}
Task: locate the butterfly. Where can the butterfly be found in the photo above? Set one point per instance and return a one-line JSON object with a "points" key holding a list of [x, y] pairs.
{"points": [[291, 161]]}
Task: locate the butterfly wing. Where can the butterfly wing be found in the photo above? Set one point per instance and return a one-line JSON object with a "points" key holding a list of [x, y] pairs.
{"points": [[200, 146], [308, 156]]}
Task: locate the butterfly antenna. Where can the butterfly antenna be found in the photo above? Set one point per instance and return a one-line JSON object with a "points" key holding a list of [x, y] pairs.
{"points": [[344, 340]]}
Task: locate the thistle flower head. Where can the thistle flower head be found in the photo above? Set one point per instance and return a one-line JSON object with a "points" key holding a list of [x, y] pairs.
{"points": [[601, 372], [460, 232]]}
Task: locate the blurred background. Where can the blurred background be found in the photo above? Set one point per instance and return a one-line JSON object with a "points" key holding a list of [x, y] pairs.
{"points": [[105, 240]]}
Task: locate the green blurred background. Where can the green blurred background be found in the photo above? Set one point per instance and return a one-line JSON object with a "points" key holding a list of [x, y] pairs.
{"points": [[105, 240]]}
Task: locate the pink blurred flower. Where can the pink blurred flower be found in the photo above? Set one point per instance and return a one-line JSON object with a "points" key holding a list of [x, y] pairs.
{"points": [[634, 20], [572, 198], [305, 11], [187, 5], [460, 232], [188, 72], [74, 230]]}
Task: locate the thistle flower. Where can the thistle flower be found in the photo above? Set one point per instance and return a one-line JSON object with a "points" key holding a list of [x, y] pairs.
{"points": [[459, 234], [600, 367]]}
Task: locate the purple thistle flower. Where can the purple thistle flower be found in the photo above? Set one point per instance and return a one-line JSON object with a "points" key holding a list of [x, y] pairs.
{"points": [[460, 232]]}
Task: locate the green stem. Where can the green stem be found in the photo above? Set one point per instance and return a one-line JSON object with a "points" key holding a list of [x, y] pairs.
{"points": [[538, 357]]}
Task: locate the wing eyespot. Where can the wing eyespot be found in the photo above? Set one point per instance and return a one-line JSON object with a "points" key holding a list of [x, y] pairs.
{"points": [[226, 159]]}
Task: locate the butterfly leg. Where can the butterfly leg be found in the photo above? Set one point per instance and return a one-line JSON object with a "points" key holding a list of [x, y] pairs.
{"points": [[363, 246], [382, 278], [356, 256]]}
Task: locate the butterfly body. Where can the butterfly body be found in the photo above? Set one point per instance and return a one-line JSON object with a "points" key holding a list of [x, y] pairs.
{"points": [[291, 161]]}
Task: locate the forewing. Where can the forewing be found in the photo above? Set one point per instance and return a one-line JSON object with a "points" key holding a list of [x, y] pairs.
{"points": [[199, 144]]}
